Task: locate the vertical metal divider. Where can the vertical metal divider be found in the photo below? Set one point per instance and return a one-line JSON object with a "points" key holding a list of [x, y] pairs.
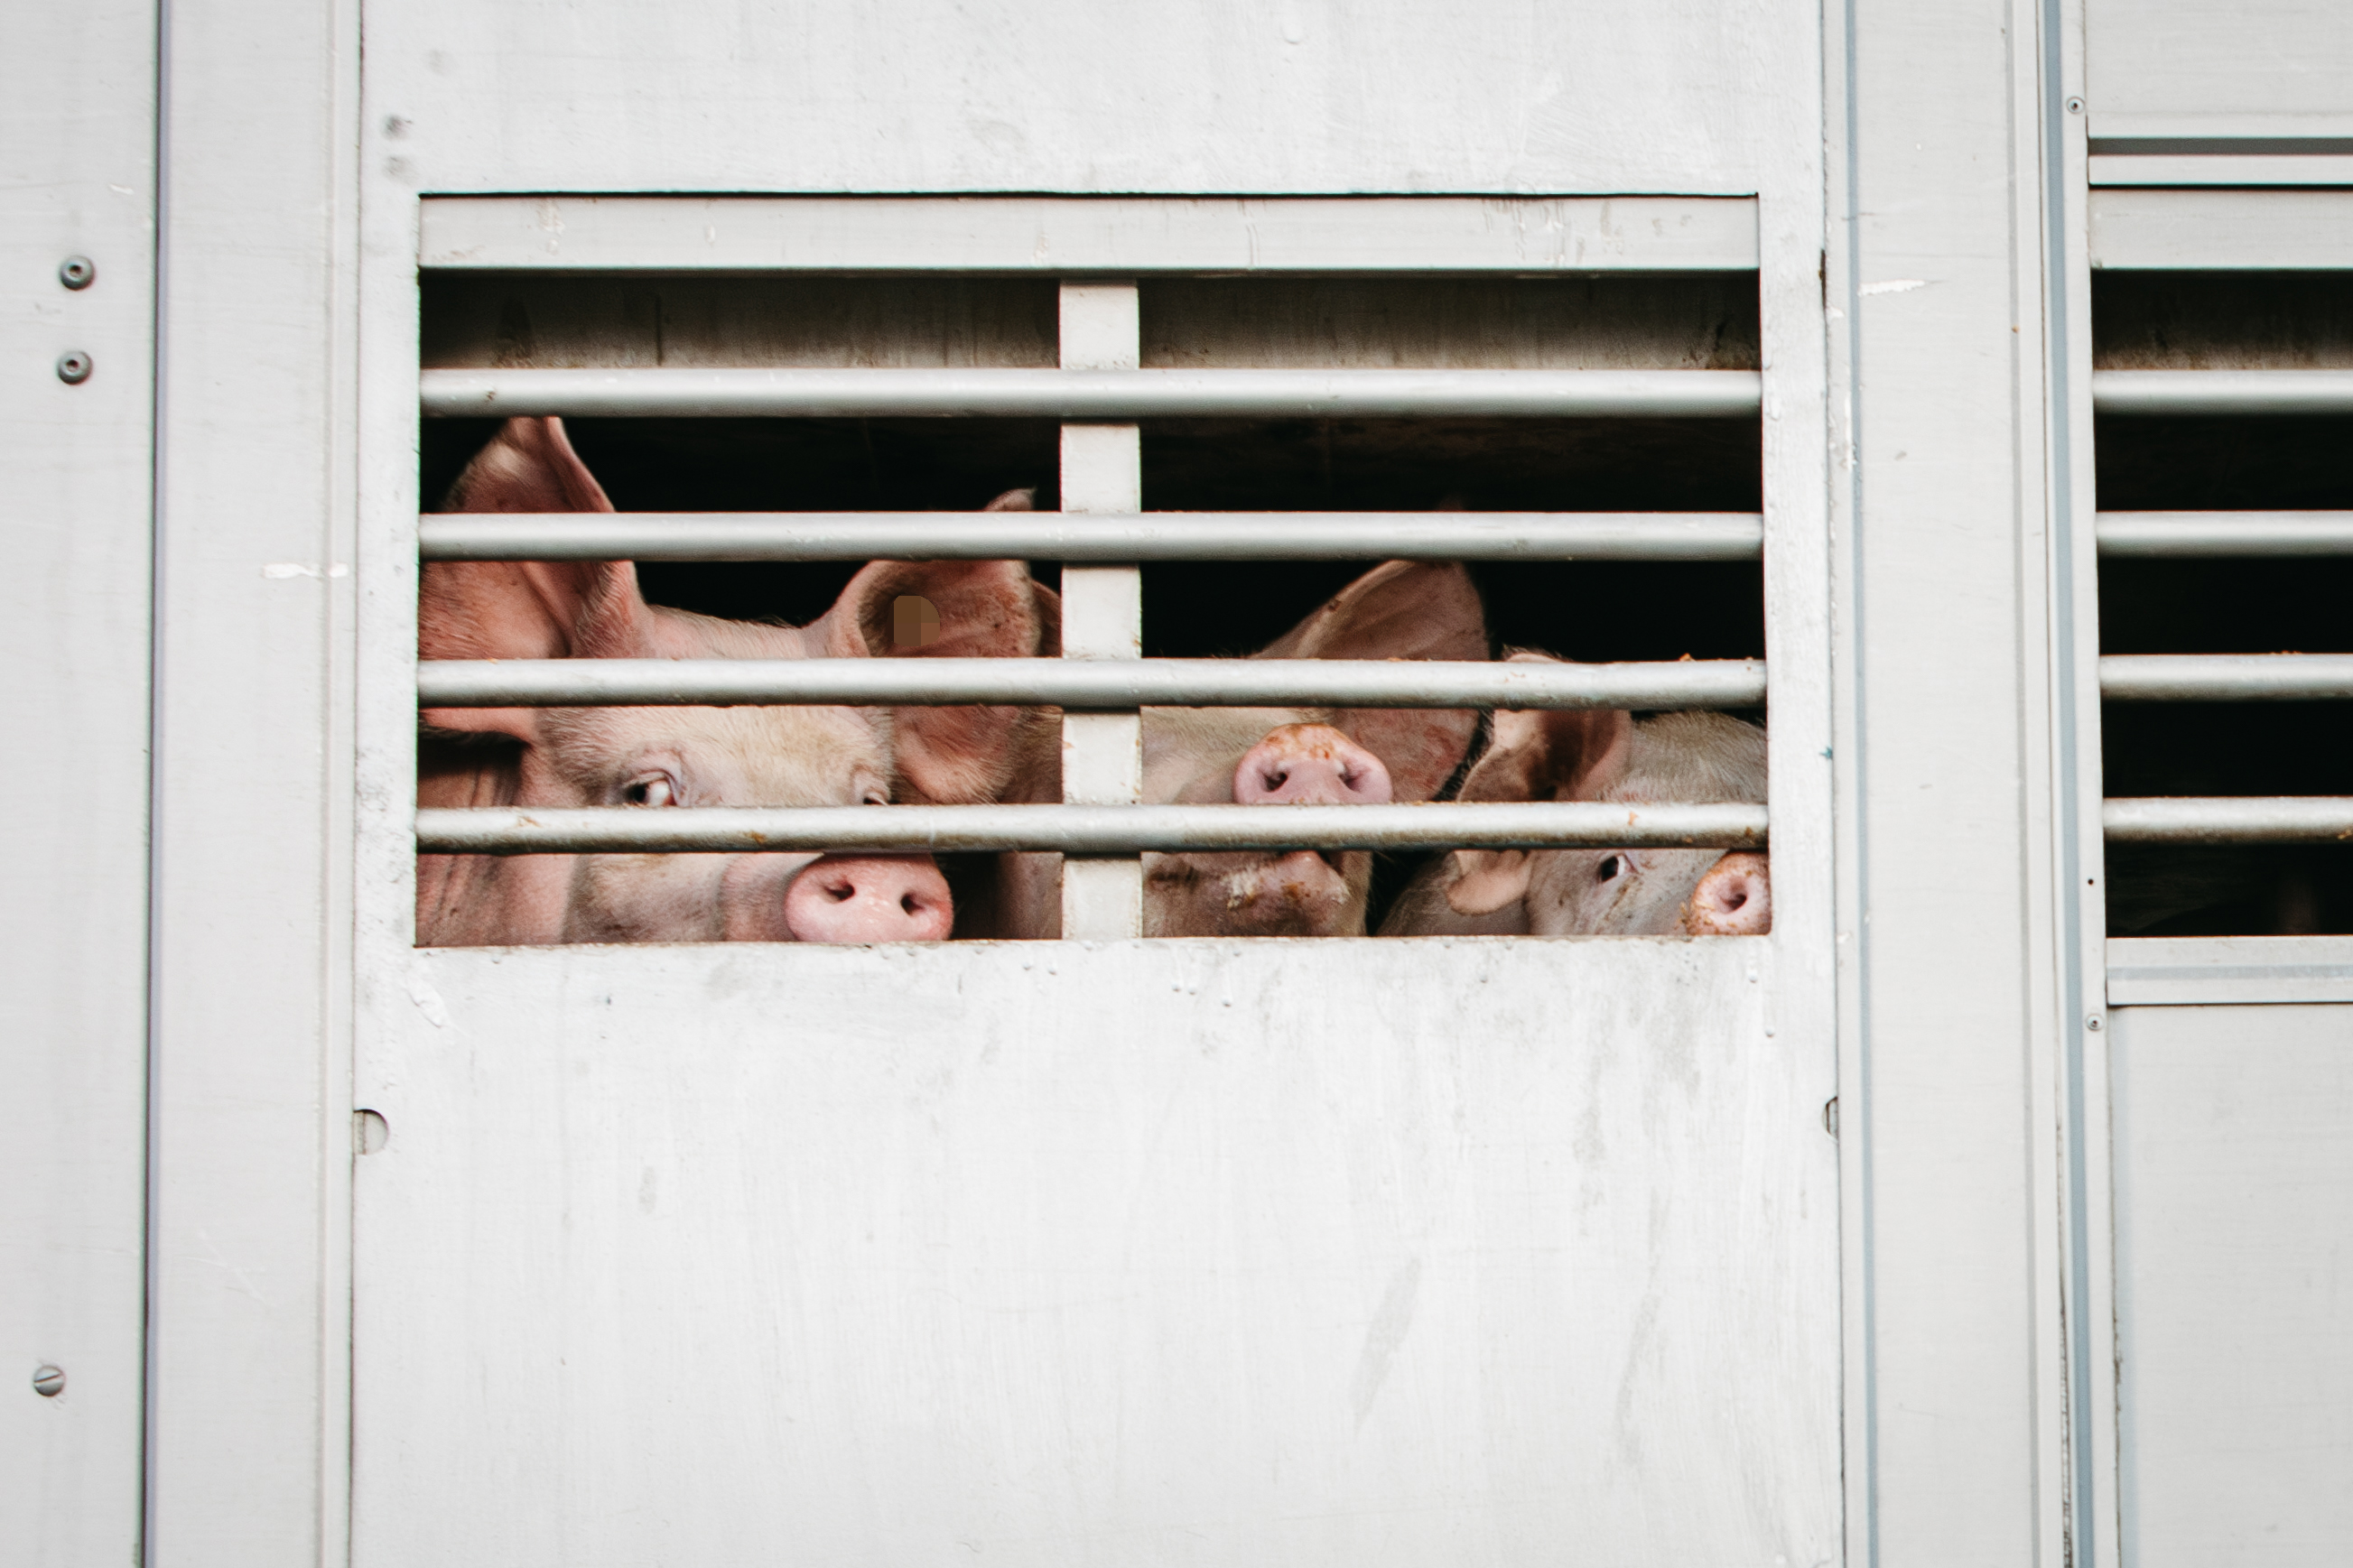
{"points": [[2082, 1195], [1103, 613]]}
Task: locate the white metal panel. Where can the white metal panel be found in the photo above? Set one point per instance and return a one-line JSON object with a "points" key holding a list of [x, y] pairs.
{"points": [[250, 1108], [1587, 98], [77, 177], [2234, 1247], [2183, 68], [1187, 1252], [2175, 230], [2149, 969], [1949, 948], [1059, 235], [1309, 96]]}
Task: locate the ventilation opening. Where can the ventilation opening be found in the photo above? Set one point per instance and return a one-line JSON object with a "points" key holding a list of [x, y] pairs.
{"points": [[2155, 320]]}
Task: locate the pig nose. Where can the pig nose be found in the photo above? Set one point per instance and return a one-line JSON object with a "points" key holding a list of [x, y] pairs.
{"points": [[869, 898], [1310, 764], [1735, 898]]}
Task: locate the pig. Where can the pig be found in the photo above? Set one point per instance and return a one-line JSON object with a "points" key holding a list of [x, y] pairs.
{"points": [[1601, 754], [653, 758], [1258, 757]]}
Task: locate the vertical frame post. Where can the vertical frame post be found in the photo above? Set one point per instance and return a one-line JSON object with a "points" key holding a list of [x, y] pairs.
{"points": [[1103, 613]]}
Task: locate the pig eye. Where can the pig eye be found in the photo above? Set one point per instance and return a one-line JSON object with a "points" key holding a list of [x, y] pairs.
{"points": [[653, 789], [873, 797], [1612, 866]]}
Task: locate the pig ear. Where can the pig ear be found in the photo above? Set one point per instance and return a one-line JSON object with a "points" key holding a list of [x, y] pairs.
{"points": [[1487, 879], [527, 609], [1563, 754], [961, 609], [1400, 609]]}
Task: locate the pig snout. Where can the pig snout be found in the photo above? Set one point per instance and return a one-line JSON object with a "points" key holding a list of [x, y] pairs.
{"points": [[869, 898], [1310, 764], [1735, 898]]}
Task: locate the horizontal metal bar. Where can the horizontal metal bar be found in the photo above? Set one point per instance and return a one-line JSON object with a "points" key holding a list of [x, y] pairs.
{"points": [[2222, 391], [1085, 683], [1118, 236], [1093, 393], [1063, 536], [2229, 819], [2227, 677], [2222, 533], [1086, 830]]}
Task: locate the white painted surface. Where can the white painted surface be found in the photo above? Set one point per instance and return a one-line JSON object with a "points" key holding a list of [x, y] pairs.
{"points": [[1240, 97], [253, 797], [77, 177], [1055, 234], [1947, 935], [1515, 97], [2209, 970], [2179, 68], [2227, 230], [2234, 1250], [1168, 1252]]}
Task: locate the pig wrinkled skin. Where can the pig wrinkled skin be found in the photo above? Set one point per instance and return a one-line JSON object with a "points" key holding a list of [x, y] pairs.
{"points": [[1603, 755], [1261, 756], [651, 758]]}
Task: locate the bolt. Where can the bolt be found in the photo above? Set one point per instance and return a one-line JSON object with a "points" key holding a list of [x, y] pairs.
{"points": [[74, 367], [2074, 106], [48, 1381], [76, 272], [2093, 1023]]}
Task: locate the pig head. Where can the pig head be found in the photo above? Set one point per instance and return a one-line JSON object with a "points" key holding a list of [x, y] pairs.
{"points": [[1601, 756], [1260, 756], [657, 758]]}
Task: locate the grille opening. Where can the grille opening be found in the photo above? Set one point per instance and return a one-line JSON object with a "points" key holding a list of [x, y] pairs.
{"points": [[2156, 320], [1596, 611]]}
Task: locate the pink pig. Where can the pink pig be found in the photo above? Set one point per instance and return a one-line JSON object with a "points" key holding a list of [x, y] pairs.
{"points": [[1601, 754], [653, 758], [1258, 757]]}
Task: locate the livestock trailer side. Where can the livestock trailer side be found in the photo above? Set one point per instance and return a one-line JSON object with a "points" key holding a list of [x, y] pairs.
{"points": [[982, 448]]}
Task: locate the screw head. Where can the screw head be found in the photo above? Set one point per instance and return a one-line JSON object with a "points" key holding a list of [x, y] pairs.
{"points": [[74, 367], [76, 272], [2074, 106], [48, 1381]]}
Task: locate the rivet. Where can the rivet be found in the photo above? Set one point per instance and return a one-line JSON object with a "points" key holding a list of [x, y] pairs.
{"points": [[76, 272], [2074, 106], [2093, 1023], [48, 1381], [74, 367]]}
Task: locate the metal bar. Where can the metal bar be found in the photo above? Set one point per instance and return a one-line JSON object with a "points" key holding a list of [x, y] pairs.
{"points": [[1068, 537], [2222, 391], [2227, 677], [1087, 829], [2223, 534], [1093, 393], [1117, 237], [2227, 820], [1085, 683]]}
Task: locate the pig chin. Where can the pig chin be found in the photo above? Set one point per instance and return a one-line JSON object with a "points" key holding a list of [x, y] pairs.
{"points": [[1299, 894]]}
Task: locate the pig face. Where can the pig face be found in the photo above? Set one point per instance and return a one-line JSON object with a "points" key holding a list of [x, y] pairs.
{"points": [[1291, 756], [1609, 756], [660, 757]]}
